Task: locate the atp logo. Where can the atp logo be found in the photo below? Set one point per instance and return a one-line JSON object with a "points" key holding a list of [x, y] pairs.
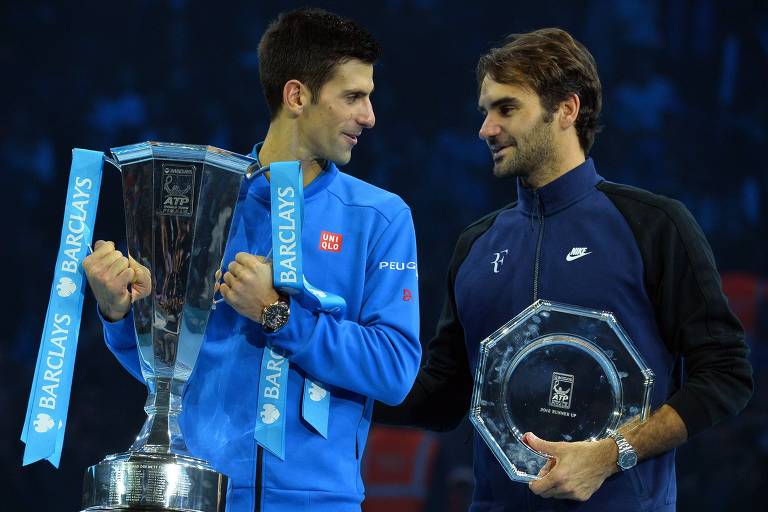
{"points": [[269, 414], [407, 294], [43, 423], [66, 287], [316, 393], [561, 392]]}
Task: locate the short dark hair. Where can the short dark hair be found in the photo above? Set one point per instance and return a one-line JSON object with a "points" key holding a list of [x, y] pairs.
{"points": [[554, 65], [306, 45]]}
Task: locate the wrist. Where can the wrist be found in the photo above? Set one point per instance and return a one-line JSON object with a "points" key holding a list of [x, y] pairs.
{"points": [[611, 458], [111, 314], [626, 456], [275, 315]]}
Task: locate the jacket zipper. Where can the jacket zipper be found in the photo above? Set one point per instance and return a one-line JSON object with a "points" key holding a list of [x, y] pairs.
{"points": [[259, 476], [537, 261]]}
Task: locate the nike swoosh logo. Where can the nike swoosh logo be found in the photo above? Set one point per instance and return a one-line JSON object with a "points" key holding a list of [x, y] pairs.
{"points": [[572, 257]]}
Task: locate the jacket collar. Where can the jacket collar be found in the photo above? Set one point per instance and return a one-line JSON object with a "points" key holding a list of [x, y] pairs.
{"points": [[561, 193]]}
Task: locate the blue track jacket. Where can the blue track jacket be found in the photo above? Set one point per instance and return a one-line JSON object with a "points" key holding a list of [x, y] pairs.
{"points": [[373, 352]]}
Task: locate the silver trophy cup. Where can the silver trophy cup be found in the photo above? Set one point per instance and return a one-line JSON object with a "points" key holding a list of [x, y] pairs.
{"points": [[179, 201]]}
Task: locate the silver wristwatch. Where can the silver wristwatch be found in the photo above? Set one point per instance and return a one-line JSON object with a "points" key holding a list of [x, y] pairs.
{"points": [[627, 455], [275, 315]]}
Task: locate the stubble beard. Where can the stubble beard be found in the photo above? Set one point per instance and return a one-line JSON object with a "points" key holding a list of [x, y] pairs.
{"points": [[532, 153]]}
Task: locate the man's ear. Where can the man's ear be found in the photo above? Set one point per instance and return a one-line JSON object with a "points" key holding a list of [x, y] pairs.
{"points": [[569, 111], [295, 97]]}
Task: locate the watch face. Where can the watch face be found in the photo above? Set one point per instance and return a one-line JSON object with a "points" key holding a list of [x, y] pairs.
{"points": [[628, 459], [276, 315]]}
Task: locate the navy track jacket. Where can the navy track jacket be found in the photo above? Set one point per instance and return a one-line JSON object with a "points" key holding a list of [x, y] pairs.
{"points": [[582, 240]]}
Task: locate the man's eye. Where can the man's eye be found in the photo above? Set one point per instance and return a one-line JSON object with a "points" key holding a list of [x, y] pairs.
{"points": [[507, 111]]}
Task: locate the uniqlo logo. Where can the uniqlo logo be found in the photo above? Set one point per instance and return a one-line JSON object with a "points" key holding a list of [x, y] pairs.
{"points": [[330, 242]]}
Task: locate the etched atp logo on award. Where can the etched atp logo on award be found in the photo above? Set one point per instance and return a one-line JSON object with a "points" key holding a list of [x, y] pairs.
{"points": [[178, 190], [562, 387]]}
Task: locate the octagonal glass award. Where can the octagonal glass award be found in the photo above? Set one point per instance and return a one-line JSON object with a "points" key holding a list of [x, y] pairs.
{"points": [[563, 372]]}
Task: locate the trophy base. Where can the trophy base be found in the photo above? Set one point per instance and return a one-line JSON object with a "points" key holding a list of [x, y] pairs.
{"points": [[153, 482]]}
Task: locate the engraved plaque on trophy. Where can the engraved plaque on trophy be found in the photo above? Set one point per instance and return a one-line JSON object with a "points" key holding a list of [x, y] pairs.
{"points": [[563, 372], [179, 201]]}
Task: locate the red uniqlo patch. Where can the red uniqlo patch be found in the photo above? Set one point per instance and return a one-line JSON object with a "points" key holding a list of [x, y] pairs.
{"points": [[330, 242]]}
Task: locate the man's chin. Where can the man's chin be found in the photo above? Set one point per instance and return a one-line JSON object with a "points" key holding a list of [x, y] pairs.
{"points": [[342, 158], [503, 171]]}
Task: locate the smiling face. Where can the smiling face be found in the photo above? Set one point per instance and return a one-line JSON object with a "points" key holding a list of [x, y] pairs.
{"points": [[518, 131], [330, 126]]}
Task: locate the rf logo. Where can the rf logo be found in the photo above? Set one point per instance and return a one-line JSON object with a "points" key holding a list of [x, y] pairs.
{"points": [[407, 294], [499, 260]]}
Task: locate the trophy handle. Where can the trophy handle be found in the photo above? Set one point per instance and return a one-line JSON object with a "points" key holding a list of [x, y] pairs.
{"points": [[112, 161]]}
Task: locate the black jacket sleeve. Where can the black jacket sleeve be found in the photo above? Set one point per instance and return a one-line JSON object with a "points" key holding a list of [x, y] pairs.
{"points": [[440, 397], [691, 309]]}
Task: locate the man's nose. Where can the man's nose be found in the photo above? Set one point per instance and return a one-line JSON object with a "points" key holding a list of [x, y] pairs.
{"points": [[367, 118], [488, 129]]}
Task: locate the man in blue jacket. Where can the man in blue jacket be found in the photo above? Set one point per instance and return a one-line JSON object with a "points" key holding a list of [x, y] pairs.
{"points": [[575, 238], [316, 70]]}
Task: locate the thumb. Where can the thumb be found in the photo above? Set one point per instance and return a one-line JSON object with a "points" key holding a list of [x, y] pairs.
{"points": [[540, 445]]}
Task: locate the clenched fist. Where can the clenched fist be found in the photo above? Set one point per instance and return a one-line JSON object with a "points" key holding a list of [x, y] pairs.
{"points": [[247, 285], [109, 273]]}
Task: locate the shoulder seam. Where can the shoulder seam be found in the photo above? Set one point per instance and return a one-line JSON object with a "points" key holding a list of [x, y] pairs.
{"points": [[488, 217]]}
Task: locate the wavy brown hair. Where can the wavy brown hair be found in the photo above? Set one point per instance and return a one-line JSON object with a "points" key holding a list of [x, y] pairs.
{"points": [[554, 65]]}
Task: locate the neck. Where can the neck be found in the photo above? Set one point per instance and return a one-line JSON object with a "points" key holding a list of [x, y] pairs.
{"points": [[559, 165], [282, 144]]}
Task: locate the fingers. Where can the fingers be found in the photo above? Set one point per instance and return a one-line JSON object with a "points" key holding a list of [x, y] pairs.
{"points": [[235, 268], [119, 264], [244, 258], [142, 276], [229, 280], [249, 260], [125, 277], [546, 468], [102, 247], [540, 445]]}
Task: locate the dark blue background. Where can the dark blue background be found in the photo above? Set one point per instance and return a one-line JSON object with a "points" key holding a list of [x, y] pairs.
{"points": [[684, 115]]}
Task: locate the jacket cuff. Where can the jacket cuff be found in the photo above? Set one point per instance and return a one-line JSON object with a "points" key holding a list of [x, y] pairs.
{"points": [[294, 335], [119, 334], [691, 411]]}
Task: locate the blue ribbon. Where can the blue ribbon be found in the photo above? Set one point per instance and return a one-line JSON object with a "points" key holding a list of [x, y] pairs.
{"points": [[287, 212], [273, 387], [46, 418]]}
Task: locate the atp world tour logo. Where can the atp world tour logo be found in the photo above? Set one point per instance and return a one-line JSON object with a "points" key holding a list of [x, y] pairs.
{"points": [[178, 190], [561, 391]]}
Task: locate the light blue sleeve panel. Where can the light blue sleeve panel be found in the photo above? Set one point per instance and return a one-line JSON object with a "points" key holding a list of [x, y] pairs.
{"points": [[377, 356], [120, 337]]}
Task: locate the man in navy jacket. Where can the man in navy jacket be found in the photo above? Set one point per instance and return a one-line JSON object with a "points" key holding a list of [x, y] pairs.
{"points": [[573, 237]]}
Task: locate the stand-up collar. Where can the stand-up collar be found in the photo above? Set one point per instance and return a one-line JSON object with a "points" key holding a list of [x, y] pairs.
{"points": [[260, 186], [564, 191]]}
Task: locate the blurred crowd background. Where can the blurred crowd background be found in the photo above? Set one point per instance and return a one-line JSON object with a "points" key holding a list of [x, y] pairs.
{"points": [[685, 109]]}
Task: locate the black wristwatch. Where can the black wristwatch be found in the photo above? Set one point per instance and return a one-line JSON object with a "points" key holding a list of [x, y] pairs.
{"points": [[627, 454], [276, 315]]}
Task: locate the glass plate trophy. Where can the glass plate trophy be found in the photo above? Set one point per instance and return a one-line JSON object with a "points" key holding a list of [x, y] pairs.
{"points": [[565, 373], [179, 200]]}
